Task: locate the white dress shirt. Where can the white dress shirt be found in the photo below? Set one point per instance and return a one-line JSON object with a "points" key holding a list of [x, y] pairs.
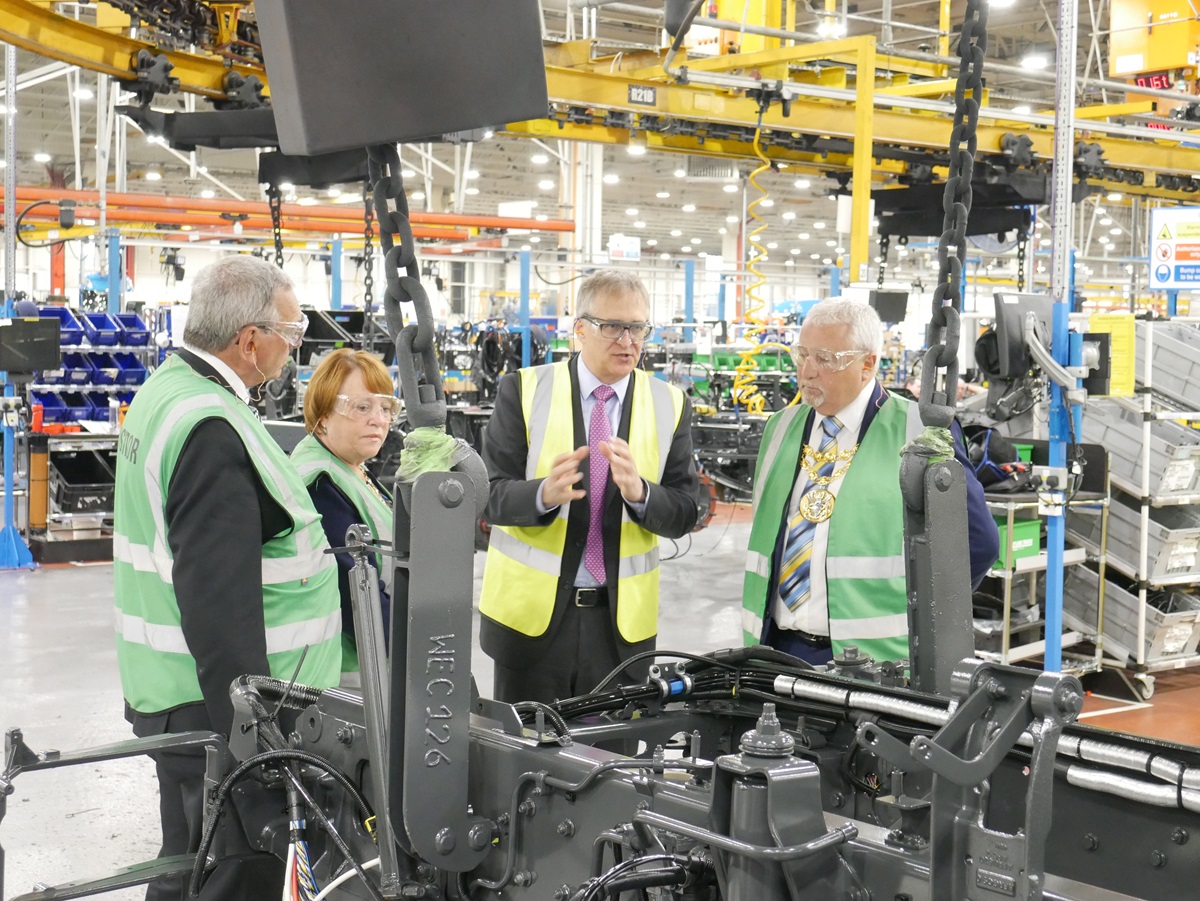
{"points": [[813, 615], [238, 386]]}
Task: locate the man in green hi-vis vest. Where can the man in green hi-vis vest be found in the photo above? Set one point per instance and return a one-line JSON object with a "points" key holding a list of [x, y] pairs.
{"points": [[825, 567], [218, 554]]}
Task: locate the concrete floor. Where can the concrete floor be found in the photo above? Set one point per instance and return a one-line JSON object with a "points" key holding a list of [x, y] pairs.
{"points": [[59, 685]]}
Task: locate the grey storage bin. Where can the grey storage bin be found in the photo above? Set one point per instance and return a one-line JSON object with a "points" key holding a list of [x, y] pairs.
{"points": [[1170, 634], [1173, 554], [1175, 352], [1174, 449]]}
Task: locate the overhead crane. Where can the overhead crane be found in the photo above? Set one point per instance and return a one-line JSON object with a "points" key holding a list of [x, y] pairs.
{"points": [[871, 130]]}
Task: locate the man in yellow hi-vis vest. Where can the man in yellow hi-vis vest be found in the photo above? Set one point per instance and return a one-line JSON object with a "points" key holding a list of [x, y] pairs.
{"points": [[590, 462], [218, 556]]}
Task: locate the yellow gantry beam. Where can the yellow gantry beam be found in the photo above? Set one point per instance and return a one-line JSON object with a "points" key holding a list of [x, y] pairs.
{"points": [[29, 26], [1105, 110]]}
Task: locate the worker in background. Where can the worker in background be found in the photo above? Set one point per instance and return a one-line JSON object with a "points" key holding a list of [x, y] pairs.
{"points": [[826, 560], [218, 554], [590, 462], [349, 407]]}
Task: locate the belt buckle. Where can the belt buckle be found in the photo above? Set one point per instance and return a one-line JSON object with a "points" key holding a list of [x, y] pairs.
{"points": [[587, 597]]}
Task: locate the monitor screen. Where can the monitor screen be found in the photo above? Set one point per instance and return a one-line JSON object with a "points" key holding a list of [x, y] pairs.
{"points": [[29, 345], [382, 71], [1011, 309]]}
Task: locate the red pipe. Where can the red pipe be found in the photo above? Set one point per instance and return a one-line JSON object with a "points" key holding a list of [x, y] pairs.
{"points": [[350, 213]]}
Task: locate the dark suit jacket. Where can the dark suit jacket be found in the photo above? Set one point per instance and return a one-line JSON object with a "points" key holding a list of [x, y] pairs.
{"points": [[671, 508], [982, 537]]}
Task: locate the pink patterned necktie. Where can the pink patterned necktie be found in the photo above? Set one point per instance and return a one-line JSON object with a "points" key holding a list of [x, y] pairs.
{"points": [[599, 430]]}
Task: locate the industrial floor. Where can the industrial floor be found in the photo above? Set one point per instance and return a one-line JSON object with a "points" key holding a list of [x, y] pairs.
{"points": [[59, 684]]}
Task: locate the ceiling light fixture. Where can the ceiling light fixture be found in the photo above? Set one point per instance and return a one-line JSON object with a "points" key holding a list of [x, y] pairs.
{"points": [[611, 178], [472, 174], [803, 236], [153, 175], [731, 219], [539, 159], [639, 224], [818, 225], [766, 201], [789, 216], [1034, 60], [802, 184], [1022, 110], [651, 242], [663, 195], [680, 173], [41, 157], [546, 184], [688, 207], [83, 94], [730, 189], [208, 193], [408, 173], [631, 211], [676, 233], [470, 192], [1114, 196]]}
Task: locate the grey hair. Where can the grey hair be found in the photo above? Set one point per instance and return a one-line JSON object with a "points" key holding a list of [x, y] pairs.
{"points": [[606, 282], [861, 321], [227, 296]]}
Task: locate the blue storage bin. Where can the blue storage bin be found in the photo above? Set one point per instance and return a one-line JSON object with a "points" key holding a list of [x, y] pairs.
{"points": [[131, 369], [99, 402], [53, 409], [133, 331], [69, 329], [76, 406], [100, 328], [105, 370]]}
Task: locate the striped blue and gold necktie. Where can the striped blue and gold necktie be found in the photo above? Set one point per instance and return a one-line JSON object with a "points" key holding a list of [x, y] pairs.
{"points": [[794, 585]]}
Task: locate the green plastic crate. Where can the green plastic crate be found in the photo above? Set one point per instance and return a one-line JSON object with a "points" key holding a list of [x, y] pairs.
{"points": [[1024, 451], [1026, 539]]}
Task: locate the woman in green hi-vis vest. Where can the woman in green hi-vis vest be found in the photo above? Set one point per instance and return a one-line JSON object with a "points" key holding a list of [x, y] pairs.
{"points": [[348, 408]]}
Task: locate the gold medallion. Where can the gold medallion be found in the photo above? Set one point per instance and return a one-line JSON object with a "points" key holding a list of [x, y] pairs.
{"points": [[817, 505]]}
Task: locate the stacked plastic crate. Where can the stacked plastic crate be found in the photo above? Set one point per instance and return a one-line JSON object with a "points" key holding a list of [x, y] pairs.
{"points": [[1170, 541]]}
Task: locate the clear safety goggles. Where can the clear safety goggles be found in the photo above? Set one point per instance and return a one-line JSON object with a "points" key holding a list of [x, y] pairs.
{"points": [[368, 406], [826, 360], [291, 332], [611, 330]]}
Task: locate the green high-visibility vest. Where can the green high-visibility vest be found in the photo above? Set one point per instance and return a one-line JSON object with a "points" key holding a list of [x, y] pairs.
{"points": [[299, 581], [520, 576], [864, 560], [312, 460]]}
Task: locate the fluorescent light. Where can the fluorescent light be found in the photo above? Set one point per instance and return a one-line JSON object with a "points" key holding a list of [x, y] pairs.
{"points": [[307, 201], [632, 211], [803, 236], [611, 178], [730, 189], [526, 248], [731, 218], [651, 242], [1035, 61], [208, 193], [664, 256], [407, 173], [83, 94], [818, 225], [41, 157], [470, 192], [663, 195], [541, 217], [1023, 109], [766, 201], [418, 195], [1115, 231], [472, 174], [335, 191], [789, 216], [635, 149], [639, 224], [287, 187], [722, 230], [535, 240], [680, 173], [695, 240], [546, 184], [676, 233], [772, 245], [153, 175], [539, 159], [1114, 196], [688, 207], [802, 184]]}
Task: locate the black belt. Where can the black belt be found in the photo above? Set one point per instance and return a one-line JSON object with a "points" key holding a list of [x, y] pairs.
{"points": [[817, 641], [589, 597]]}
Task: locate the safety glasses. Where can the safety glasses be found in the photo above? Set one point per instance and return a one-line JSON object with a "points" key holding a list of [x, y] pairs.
{"points": [[826, 360], [368, 406], [612, 330], [291, 332]]}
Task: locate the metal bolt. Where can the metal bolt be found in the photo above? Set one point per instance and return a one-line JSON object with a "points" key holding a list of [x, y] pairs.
{"points": [[525, 877], [562, 893], [1091, 842], [1179, 836], [445, 841], [566, 828], [425, 872], [479, 836], [1158, 859], [502, 819], [837, 800], [345, 735], [942, 478], [451, 492], [527, 808]]}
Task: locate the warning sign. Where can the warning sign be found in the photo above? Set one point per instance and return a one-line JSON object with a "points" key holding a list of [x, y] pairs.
{"points": [[1175, 249]]}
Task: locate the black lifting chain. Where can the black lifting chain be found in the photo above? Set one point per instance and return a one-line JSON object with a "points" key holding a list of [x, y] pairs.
{"points": [[1022, 242], [885, 241], [938, 388], [275, 203], [416, 349], [368, 267]]}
